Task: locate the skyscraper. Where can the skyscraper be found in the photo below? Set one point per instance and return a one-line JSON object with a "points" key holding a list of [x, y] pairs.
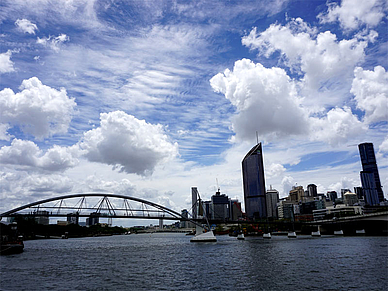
{"points": [[254, 184], [370, 179]]}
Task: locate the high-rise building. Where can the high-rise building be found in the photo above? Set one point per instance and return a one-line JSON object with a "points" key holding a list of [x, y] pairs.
{"points": [[359, 192], [235, 210], [272, 197], [220, 203], [254, 184], [297, 194], [332, 195], [370, 179], [343, 192], [312, 190]]}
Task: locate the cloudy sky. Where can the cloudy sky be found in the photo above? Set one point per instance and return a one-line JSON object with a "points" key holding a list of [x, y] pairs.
{"points": [[151, 98]]}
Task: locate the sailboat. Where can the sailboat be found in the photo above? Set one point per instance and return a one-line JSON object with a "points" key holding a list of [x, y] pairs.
{"points": [[200, 235]]}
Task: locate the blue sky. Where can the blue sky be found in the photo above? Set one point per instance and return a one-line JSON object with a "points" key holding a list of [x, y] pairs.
{"points": [[150, 98]]}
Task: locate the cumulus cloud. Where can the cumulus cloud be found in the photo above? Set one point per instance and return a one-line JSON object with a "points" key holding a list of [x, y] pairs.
{"points": [[18, 188], [321, 59], [267, 102], [53, 42], [383, 148], [122, 187], [26, 26], [344, 183], [38, 109], [26, 154], [371, 93], [274, 170], [129, 144], [287, 184], [3, 132], [353, 13], [6, 65], [337, 126], [265, 99]]}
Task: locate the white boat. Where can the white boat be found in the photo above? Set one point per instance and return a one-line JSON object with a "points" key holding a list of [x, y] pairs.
{"points": [[204, 237], [360, 231], [240, 236], [292, 234], [316, 233], [267, 235], [338, 232]]}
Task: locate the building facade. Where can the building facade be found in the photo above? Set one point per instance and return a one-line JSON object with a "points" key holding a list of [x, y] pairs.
{"points": [[370, 179], [220, 206], [254, 184], [272, 199], [312, 190]]}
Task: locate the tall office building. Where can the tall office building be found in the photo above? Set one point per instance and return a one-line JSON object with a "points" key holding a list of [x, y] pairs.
{"points": [[312, 190], [370, 179], [272, 198], [254, 184]]}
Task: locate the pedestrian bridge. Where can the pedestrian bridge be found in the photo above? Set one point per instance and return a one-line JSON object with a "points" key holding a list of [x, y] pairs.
{"points": [[96, 205]]}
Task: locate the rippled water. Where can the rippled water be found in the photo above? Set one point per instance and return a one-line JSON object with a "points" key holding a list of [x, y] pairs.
{"points": [[171, 262]]}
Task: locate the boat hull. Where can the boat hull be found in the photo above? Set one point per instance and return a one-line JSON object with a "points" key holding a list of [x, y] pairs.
{"points": [[204, 237], [11, 248], [291, 235]]}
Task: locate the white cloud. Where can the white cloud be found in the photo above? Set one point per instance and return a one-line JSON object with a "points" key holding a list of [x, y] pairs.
{"points": [[26, 26], [383, 148], [287, 184], [53, 42], [337, 126], [6, 65], [371, 93], [27, 155], [4, 135], [274, 170], [266, 100], [129, 144], [122, 187], [39, 109], [345, 183], [353, 13], [322, 60]]}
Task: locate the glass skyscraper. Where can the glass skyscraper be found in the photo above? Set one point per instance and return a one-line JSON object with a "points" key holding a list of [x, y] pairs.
{"points": [[254, 184], [370, 179]]}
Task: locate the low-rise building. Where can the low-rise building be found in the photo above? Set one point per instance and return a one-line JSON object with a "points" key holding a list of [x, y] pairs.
{"points": [[337, 211]]}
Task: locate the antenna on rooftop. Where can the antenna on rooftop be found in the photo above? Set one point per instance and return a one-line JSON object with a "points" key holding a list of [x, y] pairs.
{"points": [[218, 187], [257, 137]]}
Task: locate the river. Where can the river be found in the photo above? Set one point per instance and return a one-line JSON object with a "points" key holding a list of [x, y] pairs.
{"points": [[171, 262]]}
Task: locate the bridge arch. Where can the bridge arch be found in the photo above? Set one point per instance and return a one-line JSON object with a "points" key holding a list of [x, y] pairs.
{"points": [[105, 207]]}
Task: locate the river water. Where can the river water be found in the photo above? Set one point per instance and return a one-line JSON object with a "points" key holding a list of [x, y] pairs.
{"points": [[171, 262]]}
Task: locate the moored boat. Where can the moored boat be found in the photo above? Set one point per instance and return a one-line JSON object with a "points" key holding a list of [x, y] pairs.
{"points": [[360, 231], [267, 235], [11, 247], [291, 234], [316, 234], [240, 236], [338, 232]]}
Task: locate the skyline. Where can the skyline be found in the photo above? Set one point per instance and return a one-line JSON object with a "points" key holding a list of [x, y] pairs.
{"points": [[150, 99]]}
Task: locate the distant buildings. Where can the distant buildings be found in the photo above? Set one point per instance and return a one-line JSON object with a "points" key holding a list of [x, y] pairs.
{"points": [[42, 217], [312, 190], [370, 179], [254, 184], [272, 199], [220, 207]]}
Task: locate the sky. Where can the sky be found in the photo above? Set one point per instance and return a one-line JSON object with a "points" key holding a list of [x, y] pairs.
{"points": [[151, 98]]}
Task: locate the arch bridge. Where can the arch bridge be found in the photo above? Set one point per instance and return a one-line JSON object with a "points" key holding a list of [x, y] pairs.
{"points": [[102, 205]]}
